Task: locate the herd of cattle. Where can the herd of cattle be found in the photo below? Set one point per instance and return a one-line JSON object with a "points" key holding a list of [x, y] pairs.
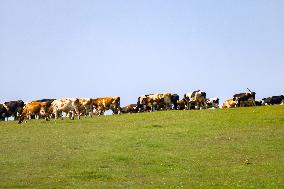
{"points": [[71, 107]]}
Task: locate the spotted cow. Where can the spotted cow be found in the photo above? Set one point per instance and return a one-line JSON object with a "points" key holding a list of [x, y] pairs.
{"points": [[195, 99], [69, 106], [100, 105]]}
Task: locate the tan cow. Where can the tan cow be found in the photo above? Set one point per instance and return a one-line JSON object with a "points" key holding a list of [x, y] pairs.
{"points": [[229, 104]]}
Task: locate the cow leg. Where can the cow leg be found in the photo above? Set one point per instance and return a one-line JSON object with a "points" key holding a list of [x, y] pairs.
{"points": [[72, 115]]}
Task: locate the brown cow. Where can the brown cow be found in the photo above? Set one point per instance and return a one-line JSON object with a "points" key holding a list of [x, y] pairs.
{"points": [[107, 103], [36, 109]]}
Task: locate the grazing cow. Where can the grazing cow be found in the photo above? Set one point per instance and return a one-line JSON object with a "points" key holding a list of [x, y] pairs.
{"points": [[245, 99], [155, 102], [181, 104], [195, 98], [273, 100], [131, 108], [3, 112], [36, 109], [108, 103], [86, 106], [70, 106], [231, 103], [175, 99], [212, 102], [14, 108]]}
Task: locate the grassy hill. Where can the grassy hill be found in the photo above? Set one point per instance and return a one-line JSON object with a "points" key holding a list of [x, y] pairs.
{"points": [[232, 148]]}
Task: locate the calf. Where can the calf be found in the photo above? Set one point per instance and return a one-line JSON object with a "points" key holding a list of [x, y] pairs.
{"points": [[131, 108]]}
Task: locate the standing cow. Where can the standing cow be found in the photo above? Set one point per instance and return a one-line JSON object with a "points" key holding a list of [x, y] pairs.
{"points": [[245, 99], [195, 99], [100, 105], [14, 108], [69, 106], [36, 109], [152, 102], [175, 99]]}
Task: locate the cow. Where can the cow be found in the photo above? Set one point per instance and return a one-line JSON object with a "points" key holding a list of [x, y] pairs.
{"points": [[131, 108], [69, 106], [231, 103], [14, 108], [143, 104], [195, 98], [100, 105], [175, 99], [3, 112], [273, 100], [86, 106], [258, 102], [181, 104], [36, 109], [245, 99], [212, 102], [154, 102]]}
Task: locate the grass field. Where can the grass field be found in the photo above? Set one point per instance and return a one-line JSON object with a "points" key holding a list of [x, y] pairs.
{"points": [[232, 148]]}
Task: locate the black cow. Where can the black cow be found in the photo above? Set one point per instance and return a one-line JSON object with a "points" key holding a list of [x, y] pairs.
{"points": [[258, 103], [273, 100], [3, 112], [242, 99], [175, 99], [14, 108]]}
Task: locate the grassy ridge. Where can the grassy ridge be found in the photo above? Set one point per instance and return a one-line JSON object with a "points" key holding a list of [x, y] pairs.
{"points": [[230, 148]]}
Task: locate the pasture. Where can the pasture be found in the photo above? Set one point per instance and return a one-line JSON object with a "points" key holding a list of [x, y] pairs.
{"points": [[231, 148]]}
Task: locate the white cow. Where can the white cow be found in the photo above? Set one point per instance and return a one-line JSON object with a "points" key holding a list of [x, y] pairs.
{"points": [[70, 106], [212, 102], [195, 98]]}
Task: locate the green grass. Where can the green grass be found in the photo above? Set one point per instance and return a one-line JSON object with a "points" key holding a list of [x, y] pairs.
{"points": [[232, 148]]}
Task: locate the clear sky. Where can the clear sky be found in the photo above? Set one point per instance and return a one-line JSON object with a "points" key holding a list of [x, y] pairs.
{"points": [[127, 48]]}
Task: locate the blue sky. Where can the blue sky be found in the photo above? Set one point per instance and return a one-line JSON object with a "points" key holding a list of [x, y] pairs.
{"points": [[127, 48]]}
